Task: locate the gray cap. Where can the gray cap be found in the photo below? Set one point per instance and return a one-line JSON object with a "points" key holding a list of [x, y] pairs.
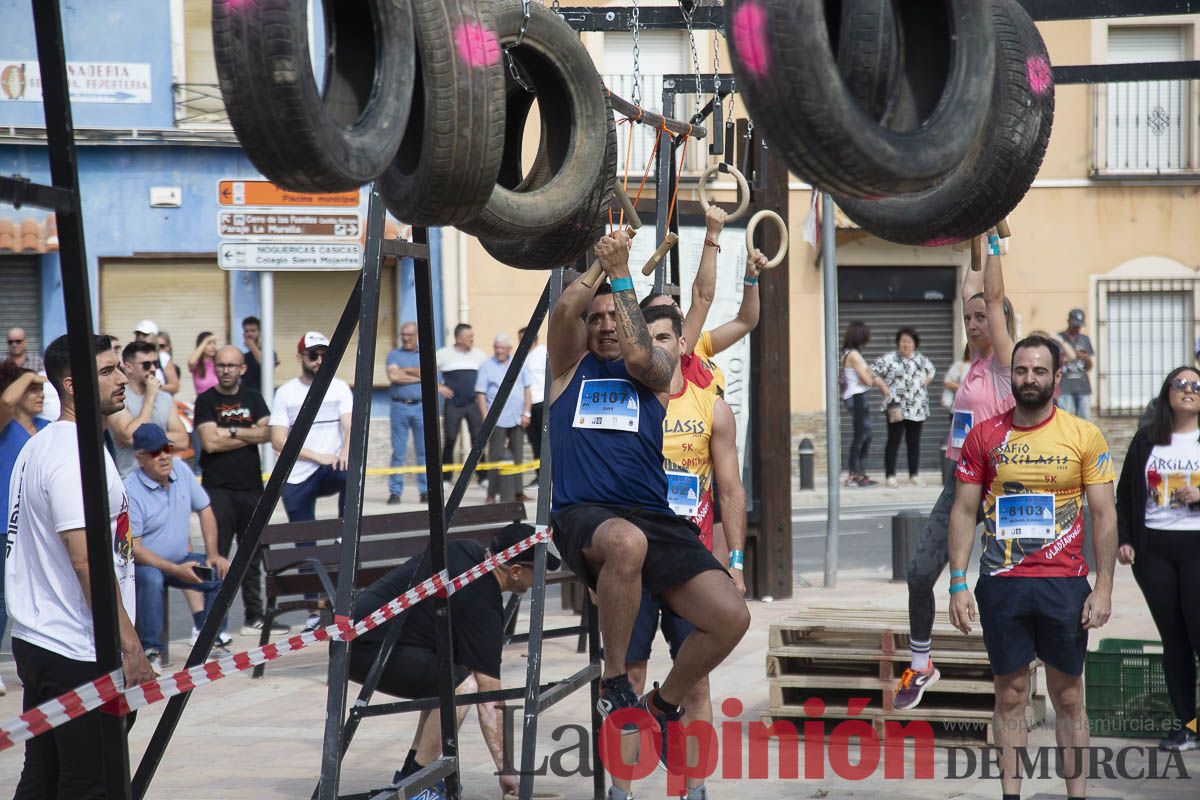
{"points": [[1075, 317]]}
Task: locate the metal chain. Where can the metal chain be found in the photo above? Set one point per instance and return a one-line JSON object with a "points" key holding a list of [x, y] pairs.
{"points": [[635, 22], [687, 18], [508, 48], [555, 7]]}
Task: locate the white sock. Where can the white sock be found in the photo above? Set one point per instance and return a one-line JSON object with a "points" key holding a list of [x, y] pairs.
{"points": [[920, 654]]}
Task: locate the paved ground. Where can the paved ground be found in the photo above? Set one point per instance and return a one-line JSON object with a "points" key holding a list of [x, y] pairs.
{"points": [[242, 738]]}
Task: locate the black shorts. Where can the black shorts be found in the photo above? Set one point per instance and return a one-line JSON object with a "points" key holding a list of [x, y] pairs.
{"points": [[674, 552], [1023, 618], [410, 672]]}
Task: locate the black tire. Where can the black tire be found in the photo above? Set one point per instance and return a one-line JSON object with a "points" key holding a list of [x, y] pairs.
{"points": [[296, 135], [574, 111], [790, 82], [447, 164], [986, 187], [868, 54], [565, 244]]}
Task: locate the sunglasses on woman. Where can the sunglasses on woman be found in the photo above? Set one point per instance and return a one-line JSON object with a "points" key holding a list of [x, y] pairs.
{"points": [[1180, 385]]}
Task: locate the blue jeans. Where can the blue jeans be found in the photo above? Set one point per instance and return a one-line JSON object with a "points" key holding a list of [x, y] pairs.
{"points": [[300, 499], [860, 444], [407, 417], [149, 582], [1078, 404]]}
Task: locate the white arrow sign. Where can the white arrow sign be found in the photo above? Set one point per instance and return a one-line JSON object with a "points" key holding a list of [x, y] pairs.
{"points": [[260, 256]]}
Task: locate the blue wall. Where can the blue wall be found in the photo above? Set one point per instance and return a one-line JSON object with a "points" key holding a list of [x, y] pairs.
{"points": [[136, 31]]}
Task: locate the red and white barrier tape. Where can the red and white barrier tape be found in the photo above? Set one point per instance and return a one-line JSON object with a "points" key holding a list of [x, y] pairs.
{"points": [[108, 690]]}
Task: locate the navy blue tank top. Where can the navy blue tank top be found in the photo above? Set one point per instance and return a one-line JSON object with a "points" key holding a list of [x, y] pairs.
{"points": [[606, 435]]}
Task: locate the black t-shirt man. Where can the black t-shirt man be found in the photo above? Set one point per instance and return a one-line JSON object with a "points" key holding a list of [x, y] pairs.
{"points": [[477, 610], [238, 469]]}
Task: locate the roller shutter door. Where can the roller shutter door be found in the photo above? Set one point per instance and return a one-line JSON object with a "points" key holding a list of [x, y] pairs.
{"points": [[313, 301], [21, 299], [923, 299], [183, 297]]}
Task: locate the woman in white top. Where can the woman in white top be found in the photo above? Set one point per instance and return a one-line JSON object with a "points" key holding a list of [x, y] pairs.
{"points": [[907, 372], [855, 381], [954, 379], [1158, 530]]}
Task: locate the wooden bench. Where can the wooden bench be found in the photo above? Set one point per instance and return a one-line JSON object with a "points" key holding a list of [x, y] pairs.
{"points": [[301, 559]]}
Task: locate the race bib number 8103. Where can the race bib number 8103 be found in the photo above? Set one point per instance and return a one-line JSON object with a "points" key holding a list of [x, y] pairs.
{"points": [[1025, 516], [608, 404]]}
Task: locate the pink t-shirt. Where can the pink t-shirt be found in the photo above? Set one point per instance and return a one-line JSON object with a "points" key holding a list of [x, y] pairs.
{"points": [[206, 381], [985, 392]]}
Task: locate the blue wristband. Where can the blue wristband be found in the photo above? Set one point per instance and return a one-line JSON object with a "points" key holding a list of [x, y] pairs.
{"points": [[621, 284], [736, 559], [957, 573], [751, 281], [994, 245], [955, 588]]}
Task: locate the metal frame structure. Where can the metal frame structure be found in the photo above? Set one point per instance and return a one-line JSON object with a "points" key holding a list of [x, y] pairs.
{"points": [[361, 310]]}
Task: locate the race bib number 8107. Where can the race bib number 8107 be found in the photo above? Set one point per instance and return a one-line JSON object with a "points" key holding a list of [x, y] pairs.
{"points": [[608, 404]]}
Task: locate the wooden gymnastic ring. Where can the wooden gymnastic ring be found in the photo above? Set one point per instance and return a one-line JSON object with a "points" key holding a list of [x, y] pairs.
{"points": [[752, 226], [743, 190]]}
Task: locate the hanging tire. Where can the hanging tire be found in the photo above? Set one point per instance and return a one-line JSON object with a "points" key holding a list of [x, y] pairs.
{"points": [[574, 112], [986, 187], [790, 82], [564, 245], [446, 166], [868, 53], [296, 135]]}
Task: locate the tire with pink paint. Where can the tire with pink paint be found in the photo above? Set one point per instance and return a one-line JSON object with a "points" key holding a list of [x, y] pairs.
{"points": [[303, 137], [987, 186], [575, 115], [447, 164], [790, 80], [567, 243]]}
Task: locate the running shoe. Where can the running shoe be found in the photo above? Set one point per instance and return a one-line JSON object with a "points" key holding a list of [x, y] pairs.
{"points": [[254, 628], [314, 622], [617, 693], [891, 482], [866, 483], [912, 687], [616, 794], [672, 737], [699, 793], [1182, 739], [223, 638], [851, 483], [916, 480], [155, 659]]}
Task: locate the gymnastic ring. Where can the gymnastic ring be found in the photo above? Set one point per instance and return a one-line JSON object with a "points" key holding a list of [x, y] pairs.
{"points": [[752, 226], [743, 190]]}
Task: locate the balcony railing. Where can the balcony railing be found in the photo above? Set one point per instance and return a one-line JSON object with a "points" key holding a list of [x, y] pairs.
{"points": [[1147, 129], [200, 104]]}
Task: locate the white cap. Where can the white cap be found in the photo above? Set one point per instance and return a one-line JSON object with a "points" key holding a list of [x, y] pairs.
{"points": [[146, 326], [312, 339]]}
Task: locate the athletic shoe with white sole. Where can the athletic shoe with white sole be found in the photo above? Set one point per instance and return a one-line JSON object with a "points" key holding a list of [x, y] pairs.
{"points": [[617, 693], [671, 735], [1182, 739], [912, 686], [254, 627], [223, 638], [155, 659]]}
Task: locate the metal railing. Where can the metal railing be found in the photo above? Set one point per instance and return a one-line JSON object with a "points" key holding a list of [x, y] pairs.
{"points": [[1148, 128], [1145, 328], [199, 104], [643, 136]]}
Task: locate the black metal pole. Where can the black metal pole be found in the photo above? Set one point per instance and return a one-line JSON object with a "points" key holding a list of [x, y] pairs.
{"points": [[537, 604], [81, 333], [364, 372], [248, 547], [593, 638], [437, 512]]}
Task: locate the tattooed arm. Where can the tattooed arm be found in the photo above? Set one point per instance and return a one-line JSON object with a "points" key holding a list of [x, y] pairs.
{"points": [[646, 363]]}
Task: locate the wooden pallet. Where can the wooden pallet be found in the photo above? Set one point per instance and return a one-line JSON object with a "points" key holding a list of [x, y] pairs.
{"points": [[838, 653]]}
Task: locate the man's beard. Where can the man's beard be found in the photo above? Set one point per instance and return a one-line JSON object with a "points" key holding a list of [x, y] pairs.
{"points": [[110, 406], [309, 372], [1030, 402]]}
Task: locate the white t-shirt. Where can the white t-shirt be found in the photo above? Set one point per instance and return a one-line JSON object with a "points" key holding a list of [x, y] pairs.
{"points": [[325, 436], [535, 364], [451, 359], [1170, 468], [44, 597]]}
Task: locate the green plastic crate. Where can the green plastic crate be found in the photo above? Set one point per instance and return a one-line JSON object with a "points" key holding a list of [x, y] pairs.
{"points": [[1126, 691]]}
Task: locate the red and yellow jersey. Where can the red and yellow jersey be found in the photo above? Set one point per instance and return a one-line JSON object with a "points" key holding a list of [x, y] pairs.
{"points": [[1034, 479], [687, 457], [700, 369]]}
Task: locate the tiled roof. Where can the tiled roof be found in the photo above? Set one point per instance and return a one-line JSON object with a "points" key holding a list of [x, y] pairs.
{"points": [[28, 234]]}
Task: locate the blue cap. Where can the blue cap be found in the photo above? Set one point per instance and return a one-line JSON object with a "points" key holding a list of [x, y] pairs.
{"points": [[149, 437]]}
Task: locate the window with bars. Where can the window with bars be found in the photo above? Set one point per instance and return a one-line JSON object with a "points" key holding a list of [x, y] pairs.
{"points": [[1145, 328], [1146, 127]]}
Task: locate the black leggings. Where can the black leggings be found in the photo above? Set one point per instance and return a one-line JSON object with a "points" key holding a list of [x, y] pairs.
{"points": [[911, 431], [1167, 568]]}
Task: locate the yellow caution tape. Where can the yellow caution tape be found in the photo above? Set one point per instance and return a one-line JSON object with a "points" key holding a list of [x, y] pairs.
{"points": [[503, 467]]}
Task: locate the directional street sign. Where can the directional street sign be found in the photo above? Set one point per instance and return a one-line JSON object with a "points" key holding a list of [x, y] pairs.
{"points": [[279, 256], [266, 227], [256, 223]]}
